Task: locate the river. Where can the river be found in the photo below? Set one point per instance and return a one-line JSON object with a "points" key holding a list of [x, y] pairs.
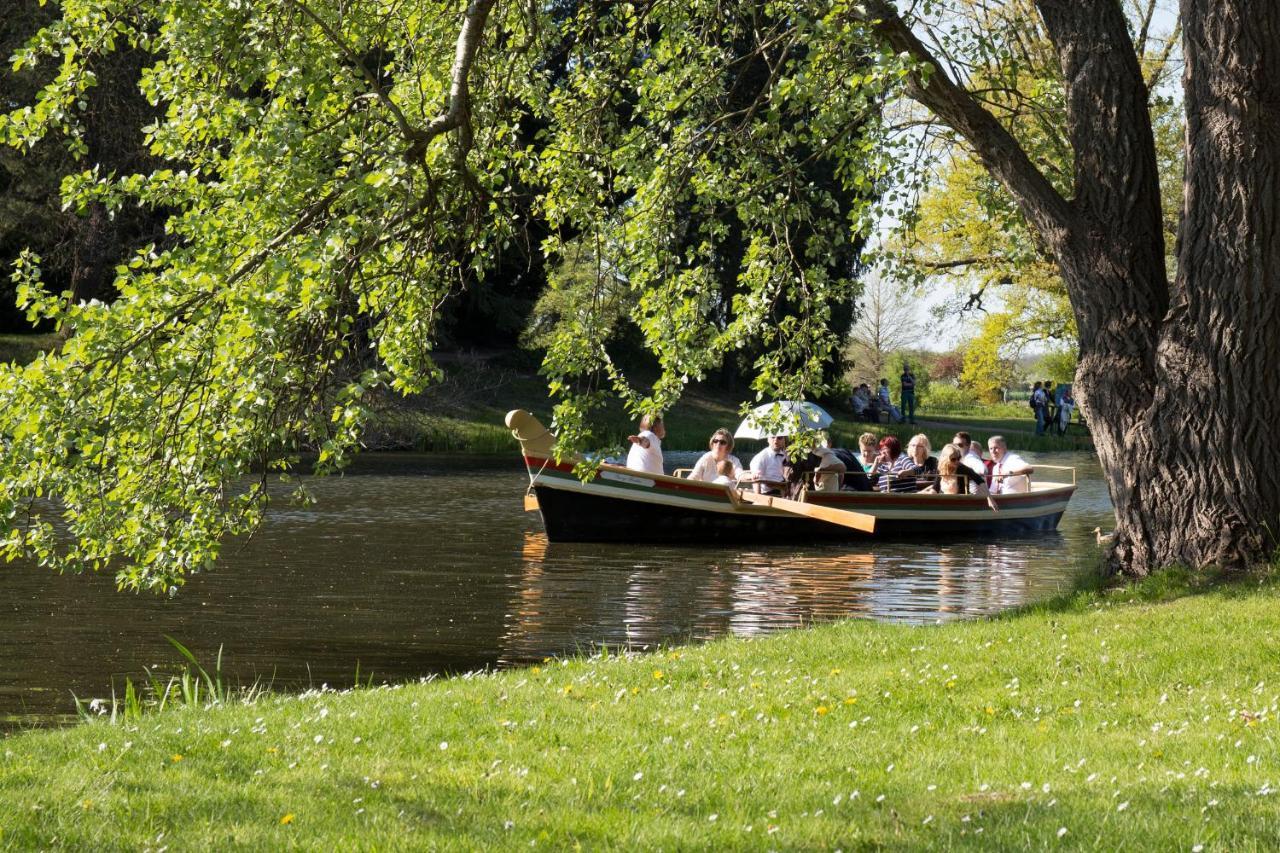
{"points": [[412, 565]]}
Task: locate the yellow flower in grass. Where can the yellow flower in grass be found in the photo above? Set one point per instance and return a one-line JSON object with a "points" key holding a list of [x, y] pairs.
{"points": [[287, 819], [175, 758], [821, 710], [658, 675]]}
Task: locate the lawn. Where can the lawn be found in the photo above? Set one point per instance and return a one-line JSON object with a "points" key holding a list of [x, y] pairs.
{"points": [[1131, 719]]}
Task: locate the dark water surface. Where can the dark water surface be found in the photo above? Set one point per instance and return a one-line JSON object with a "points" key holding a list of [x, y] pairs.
{"points": [[413, 565]]}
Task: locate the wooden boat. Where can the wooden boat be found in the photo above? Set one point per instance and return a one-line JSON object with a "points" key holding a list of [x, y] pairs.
{"points": [[621, 505]]}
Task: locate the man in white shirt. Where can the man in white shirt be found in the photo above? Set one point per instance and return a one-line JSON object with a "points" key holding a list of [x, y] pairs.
{"points": [[1010, 472], [646, 448], [970, 453], [766, 466]]}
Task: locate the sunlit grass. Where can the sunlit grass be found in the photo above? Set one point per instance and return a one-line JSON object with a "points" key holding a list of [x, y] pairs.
{"points": [[24, 348], [1141, 718]]}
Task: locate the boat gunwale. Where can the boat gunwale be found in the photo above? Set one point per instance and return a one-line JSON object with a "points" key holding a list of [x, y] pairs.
{"points": [[1048, 494]]}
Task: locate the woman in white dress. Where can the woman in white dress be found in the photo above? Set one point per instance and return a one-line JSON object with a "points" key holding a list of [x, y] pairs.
{"points": [[708, 466]]}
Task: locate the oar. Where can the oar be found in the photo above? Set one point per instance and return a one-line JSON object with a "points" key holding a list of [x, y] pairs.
{"points": [[845, 518]]}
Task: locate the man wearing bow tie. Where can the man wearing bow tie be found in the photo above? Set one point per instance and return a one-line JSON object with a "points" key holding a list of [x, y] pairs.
{"points": [[767, 466]]}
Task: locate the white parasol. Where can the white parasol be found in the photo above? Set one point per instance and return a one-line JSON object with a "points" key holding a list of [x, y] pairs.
{"points": [[800, 413]]}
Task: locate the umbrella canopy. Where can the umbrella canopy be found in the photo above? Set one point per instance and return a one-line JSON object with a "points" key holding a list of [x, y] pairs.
{"points": [[809, 415]]}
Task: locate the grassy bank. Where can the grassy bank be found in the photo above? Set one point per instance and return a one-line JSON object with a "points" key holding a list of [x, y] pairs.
{"points": [[1139, 719], [464, 412], [24, 348]]}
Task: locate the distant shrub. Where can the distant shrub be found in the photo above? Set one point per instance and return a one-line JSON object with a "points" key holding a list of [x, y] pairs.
{"points": [[940, 397]]}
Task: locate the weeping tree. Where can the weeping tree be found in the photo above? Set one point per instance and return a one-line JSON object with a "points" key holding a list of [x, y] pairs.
{"points": [[340, 169], [336, 173]]}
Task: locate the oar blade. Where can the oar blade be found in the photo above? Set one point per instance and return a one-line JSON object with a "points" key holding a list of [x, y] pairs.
{"points": [[843, 517]]}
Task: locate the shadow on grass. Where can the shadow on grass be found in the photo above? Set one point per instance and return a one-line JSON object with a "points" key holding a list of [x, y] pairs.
{"points": [[1095, 589]]}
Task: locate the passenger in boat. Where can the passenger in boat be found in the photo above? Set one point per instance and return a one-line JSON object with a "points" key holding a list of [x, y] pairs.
{"points": [[726, 473], [707, 468], [646, 447], [855, 477], [826, 466], [970, 454], [867, 447], [894, 467], [924, 466], [1009, 474], [767, 467], [954, 477]]}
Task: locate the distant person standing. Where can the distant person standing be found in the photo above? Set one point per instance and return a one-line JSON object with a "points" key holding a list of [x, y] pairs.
{"points": [[646, 447], [1051, 396], [1039, 403], [1065, 407], [908, 393]]}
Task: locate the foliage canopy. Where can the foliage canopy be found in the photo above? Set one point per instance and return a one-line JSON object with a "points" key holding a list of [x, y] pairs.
{"points": [[334, 171]]}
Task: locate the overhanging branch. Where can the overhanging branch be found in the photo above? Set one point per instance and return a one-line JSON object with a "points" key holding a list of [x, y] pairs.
{"points": [[994, 146]]}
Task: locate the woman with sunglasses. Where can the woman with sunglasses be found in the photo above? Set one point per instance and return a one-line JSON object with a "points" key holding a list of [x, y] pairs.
{"points": [[709, 465]]}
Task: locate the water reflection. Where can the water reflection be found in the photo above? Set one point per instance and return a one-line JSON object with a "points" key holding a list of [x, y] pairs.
{"points": [[419, 565], [606, 595]]}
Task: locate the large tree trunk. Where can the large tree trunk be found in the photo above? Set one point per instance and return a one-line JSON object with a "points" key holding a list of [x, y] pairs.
{"points": [[1178, 382], [1205, 464]]}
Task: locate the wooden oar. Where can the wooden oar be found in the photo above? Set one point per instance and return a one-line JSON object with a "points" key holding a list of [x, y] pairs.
{"points": [[845, 518]]}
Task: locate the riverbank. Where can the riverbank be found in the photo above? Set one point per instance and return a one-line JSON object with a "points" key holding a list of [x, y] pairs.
{"points": [[464, 412], [1142, 717]]}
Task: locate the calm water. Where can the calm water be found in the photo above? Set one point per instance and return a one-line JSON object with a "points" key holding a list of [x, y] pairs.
{"points": [[415, 565]]}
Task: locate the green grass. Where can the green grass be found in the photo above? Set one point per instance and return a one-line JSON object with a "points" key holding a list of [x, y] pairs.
{"points": [[24, 348], [1132, 719]]}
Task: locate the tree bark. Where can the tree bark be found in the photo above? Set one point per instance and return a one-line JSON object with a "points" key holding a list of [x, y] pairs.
{"points": [[1207, 470], [1175, 380]]}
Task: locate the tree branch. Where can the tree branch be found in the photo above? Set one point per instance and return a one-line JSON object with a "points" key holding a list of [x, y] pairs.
{"points": [[458, 112], [994, 146]]}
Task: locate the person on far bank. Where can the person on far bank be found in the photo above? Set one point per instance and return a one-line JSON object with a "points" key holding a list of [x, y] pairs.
{"points": [[886, 403], [767, 467], [1039, 405], [1065, 408], [860, 401], [908, 395], [1051, 397], [646, 447], [1009, 474]]}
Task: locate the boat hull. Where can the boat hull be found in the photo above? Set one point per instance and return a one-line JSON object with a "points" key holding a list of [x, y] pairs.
{"points": [[633, 507]]}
